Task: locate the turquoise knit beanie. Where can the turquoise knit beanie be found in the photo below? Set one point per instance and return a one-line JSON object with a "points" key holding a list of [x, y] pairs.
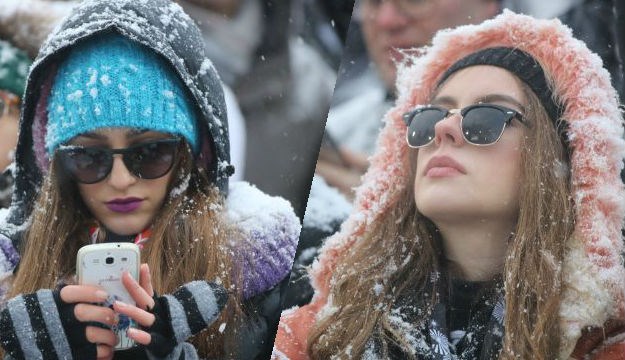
{"points": [[110, 81]]}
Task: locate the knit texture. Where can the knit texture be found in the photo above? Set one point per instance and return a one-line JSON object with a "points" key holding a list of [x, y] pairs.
{"points": [[110, 81], [14, 65], [520, 64], [271, 230], [193, 307], [40, 325]]}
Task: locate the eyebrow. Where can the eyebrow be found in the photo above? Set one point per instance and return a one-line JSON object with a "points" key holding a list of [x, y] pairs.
{"points": [[132, 133], [489, 98], [135, 132], [92, 135]]}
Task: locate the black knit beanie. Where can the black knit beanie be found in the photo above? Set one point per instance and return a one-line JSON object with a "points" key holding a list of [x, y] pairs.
{"points": [[519, 63]]}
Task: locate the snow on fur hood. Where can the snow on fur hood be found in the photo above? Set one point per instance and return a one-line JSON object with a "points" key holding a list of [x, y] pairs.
{"points": [[594, 281]]}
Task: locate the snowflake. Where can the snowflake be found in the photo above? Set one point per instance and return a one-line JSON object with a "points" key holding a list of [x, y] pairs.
{"points": [[441, 345], [499, 311]]}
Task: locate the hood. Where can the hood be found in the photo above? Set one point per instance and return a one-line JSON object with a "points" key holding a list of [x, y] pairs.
{"points": [[594, 276], [157, 24]]}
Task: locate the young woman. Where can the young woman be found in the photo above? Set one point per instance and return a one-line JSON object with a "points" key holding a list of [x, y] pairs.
{"points": [[124, 137], [489, 225]]}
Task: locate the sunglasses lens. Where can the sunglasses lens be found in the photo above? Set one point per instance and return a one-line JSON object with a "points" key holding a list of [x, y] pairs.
{"points": [[152, 160], [483, 125], [421, 129], [87, 165]]}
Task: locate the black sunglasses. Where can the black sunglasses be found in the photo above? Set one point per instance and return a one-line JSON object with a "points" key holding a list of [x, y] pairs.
{"points": [[481, 124], [148, 160]]}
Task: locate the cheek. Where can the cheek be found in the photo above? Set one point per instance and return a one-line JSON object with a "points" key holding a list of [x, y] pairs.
{"points": [[506, 167], [88, 193], [159, 187]]}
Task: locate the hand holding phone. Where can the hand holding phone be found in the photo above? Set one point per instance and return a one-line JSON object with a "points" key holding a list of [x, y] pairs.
{"points": [[102, 265]]}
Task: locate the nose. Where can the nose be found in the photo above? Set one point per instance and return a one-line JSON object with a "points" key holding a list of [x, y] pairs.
{"points": [[389, 16], [448, 130], [120, 177]]}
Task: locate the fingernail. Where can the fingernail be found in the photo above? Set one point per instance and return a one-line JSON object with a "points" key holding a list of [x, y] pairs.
{"points": [[120, 303], [101, 294]]}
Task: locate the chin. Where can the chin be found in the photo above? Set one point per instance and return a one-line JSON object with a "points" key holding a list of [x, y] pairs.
{"points": [[444, 207], [126, 226]]}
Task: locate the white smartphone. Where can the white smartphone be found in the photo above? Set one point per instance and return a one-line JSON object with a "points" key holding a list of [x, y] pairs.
{"points": [[102, 265]]}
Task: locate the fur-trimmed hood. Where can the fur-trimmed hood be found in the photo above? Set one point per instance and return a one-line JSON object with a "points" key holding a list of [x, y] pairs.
{"points": [[594, 276]]}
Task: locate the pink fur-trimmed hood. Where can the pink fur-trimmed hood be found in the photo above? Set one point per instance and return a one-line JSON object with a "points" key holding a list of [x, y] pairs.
{"points": [[594, 281]]}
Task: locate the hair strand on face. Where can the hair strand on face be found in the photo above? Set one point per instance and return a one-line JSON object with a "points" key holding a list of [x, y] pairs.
{"points": [[190, 240]]}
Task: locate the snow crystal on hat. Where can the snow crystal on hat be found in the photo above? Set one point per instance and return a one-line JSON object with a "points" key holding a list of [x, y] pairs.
{"points": [[109, 81]]}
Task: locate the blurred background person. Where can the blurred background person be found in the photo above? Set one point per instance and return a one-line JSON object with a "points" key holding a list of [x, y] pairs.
{"points": [[389, 27], [282, 84], [601, 25], [14, 64]]}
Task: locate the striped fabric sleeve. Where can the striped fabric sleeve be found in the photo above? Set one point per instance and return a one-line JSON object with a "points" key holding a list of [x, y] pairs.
{"points": [[30, 328], [41, 326], [193, 307], [183, 351]]}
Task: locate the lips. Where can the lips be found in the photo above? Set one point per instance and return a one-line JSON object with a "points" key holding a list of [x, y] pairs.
{"points": [[443, 166], [124, 205]]}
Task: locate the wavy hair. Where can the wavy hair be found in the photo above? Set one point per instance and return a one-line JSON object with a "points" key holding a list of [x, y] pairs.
{"points": [[402, 249], [189, 241]]}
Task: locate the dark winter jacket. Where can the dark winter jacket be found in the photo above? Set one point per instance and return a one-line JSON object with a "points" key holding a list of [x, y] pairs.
{"points": [[600, 24], [268, 224], [285, 99], [6, 186]]}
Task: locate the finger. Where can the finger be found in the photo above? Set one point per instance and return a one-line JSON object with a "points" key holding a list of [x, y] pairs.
{"points": [[141, 316], [101, 314], [98, 335], [83, 293], [139, 295], [341, 178], [145, 279], [355, 159], [140, 336], [104, 352]]}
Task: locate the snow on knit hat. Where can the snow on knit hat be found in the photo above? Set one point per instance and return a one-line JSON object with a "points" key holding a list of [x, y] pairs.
{"points": [[593, 273], [14, 64], [110, 81]]}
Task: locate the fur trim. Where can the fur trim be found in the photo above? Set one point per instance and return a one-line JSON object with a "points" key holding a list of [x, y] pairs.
{"points": [[594, 284]]}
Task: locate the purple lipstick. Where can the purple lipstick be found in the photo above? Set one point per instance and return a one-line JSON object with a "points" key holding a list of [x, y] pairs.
{"points": [[124, 205]]}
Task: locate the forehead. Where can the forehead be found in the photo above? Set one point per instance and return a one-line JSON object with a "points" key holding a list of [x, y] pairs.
{"points": [[469, 84], [120, 133]]}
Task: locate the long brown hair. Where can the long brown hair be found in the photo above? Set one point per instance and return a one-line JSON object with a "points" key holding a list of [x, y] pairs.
{"points": [[189, 241], [402, 249]]}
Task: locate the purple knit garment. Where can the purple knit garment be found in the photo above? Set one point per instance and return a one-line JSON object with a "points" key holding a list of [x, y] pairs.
{"points": [[9, 258], [269, 260], [270, 235]]}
